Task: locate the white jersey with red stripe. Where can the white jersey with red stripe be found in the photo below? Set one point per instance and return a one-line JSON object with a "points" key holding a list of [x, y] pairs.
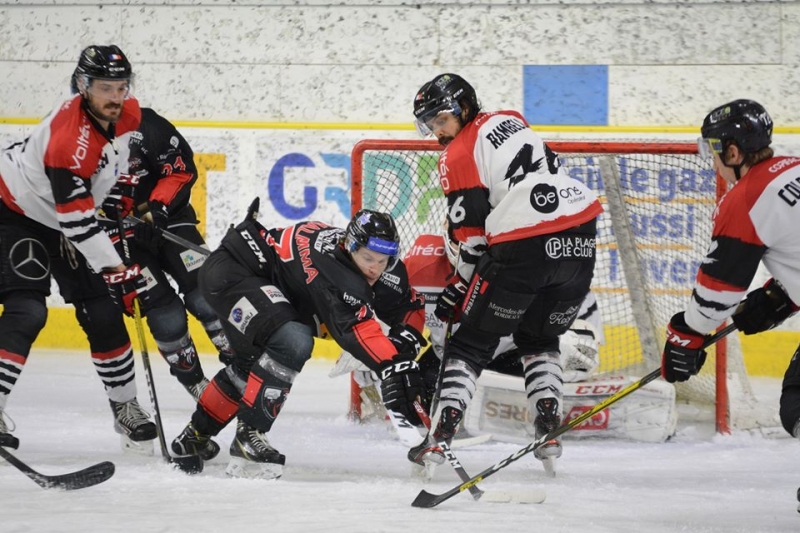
{"points": [[62, 172], [503, 183], [757, 220]]}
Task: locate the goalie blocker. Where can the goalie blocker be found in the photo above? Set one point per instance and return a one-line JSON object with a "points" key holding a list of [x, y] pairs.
{"points": [[500, 407]]}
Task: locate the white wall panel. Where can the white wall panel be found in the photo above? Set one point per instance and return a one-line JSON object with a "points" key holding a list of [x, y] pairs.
{"points": [[683, 95], [677, 34]]}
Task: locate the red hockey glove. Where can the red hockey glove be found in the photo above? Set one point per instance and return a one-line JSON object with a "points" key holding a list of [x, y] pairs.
{"points": [[401, 386], [450, 299], [119, 202], [150, 235], [406, 339], [764, 308], [125, 286], [683, 355]]}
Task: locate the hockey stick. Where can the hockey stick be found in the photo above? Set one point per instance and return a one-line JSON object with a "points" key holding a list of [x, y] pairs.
{"points": [[528, 496], [191, 464], [74, 480], [426, 499], [189, 245]]}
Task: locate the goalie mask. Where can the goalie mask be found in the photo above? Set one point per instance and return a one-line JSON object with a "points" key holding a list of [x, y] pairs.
{"points": [[374, 231]]}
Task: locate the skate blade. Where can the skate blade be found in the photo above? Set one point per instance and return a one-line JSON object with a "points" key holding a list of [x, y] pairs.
{"points": [[549, 464], [138, 447], [242, 468]]}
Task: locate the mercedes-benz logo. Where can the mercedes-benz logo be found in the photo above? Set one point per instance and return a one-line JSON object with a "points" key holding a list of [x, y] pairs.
{"points": [[29, 260]]}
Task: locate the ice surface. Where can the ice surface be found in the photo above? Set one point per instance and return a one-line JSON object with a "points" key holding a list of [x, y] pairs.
{"points": [[349, 478]]}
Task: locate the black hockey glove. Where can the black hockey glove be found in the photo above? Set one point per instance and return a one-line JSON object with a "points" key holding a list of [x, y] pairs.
{"points": [[125, 286], [150, 235], [683, 355], [450, 299], [401, 386], [406, 339], [119, 202], [763, 309]]}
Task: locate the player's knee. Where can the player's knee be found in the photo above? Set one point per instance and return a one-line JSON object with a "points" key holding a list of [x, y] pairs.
{"points": [[291, 345], [198, 306], [27, 312], [168, 322]]}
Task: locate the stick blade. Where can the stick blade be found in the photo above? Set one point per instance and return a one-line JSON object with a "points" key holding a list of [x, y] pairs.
{"points": [[425, 500], [188, 464], [81, 479]]}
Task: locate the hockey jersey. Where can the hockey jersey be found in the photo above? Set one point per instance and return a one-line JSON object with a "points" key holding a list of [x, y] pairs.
{"points": [[309, 266], [503, 183], [62, 172], [163, 161], [756, 220]]}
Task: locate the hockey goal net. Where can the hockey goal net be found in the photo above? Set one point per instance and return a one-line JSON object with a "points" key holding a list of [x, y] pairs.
{"points": [[655, 230]]}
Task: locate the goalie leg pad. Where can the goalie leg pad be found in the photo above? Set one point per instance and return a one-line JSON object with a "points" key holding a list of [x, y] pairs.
{"points": [[500, 408]]}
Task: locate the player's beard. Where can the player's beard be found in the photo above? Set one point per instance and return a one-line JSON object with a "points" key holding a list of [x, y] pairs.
{"points": [[110, 112], [444, 141]]}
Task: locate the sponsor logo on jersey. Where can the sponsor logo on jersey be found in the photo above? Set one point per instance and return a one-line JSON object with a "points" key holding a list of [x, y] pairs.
{"points": [[391, 278], [253, 245], [274, 294], [83, 144], [242, 313], [351, 300], [29, 260], [544, 198], [562, 319], [192, 260], [566, 247]]}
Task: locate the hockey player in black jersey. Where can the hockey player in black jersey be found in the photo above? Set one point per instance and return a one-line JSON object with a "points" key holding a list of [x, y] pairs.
{"points": [[157, 189], [273, 288]]}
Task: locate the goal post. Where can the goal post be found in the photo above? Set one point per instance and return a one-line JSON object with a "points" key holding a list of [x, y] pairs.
{"points": [[658, 201]]}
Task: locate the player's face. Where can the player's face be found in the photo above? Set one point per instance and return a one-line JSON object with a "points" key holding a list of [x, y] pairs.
{"points": [[371, 264], [445, 127], [106, 97]]}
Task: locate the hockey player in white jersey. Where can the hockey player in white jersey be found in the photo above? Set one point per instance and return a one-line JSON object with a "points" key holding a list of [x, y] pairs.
{"points": [[50, 185], [509, 207], [756, 221]]}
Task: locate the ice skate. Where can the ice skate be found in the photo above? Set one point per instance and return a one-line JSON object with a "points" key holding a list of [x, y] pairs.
{"points": [[192, 442], [547, 419], [425, 456], [197, 389], [134, 427], [448, 424], [7, 440], [252, 456]]}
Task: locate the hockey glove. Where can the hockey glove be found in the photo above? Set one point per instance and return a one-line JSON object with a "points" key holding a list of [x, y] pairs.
{"points": [[401, 386], [764, 309], [125, 286], [119, 202], [683, 355], [450, 299], [150, 235], [406, 339]]}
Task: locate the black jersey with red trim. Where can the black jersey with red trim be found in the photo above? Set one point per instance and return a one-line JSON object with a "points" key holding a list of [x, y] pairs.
{"points": [[307, 263], [757, 220], [503, 183], [163, 161], [62, 172]]}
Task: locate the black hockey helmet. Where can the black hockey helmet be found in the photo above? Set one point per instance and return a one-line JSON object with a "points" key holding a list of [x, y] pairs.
{"points": [[744, 122], [446, 93], [101, 63], [373, 230]]}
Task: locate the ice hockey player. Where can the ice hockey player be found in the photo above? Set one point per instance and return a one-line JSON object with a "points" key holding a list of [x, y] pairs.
{"points": [[756, 221], [157, 189], [526, 232], [272, 287], [50, 185]]}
